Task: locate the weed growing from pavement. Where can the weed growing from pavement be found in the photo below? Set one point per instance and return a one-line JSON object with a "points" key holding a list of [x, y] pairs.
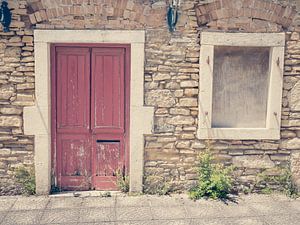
{"points": [[122, 182], [214, 180], [281, 181], [26, 178], [106, 194], [157, 185]]}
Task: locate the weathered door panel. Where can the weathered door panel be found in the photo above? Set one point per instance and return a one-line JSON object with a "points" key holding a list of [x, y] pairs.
{"points": [[108, 110], [74, 166], [108, 90], [89, 116], [73, 81], [73, 117], [108, 160]]}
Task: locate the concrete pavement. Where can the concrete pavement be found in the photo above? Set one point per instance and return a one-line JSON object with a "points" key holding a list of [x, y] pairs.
{"points": [[148, 210]]}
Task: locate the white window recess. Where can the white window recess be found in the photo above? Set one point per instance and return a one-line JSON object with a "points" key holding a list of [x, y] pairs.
{"points": [[240, 91]]}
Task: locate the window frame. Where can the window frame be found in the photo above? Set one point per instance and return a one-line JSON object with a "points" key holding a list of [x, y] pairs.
{"points": [[276, 42]]}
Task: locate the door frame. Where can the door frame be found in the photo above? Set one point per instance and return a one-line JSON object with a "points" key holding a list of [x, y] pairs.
{"points": [[54, 157], [41, 111]]}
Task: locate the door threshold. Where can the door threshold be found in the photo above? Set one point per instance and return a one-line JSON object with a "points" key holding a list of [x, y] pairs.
{"points": [[84, 194]]}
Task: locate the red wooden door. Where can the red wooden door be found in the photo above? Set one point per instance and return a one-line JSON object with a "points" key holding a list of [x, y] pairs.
{"points": [[107, 116], [89, 118], [73, 118]]}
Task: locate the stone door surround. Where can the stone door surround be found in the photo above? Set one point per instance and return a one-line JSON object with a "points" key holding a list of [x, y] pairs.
{"points": [[37, 119]]}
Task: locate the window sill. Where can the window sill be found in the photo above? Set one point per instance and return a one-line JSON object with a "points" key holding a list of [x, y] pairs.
{"points": [[238, 133]]}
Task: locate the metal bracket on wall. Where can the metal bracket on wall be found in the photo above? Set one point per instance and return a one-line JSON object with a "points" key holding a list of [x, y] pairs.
{"points": [[5, 16], [208, 60], [172, 15]]}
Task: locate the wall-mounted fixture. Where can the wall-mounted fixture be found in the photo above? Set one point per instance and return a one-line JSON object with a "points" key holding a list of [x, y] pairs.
{"points": [[172, 14], [5, 16]]}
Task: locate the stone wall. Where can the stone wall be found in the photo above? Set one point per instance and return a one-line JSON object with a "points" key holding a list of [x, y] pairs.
{"points": [[171, 82], [173, 90], [16, 91]]}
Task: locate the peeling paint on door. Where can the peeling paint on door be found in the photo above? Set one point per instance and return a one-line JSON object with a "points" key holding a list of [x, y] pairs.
{"points": [[90, 121]]}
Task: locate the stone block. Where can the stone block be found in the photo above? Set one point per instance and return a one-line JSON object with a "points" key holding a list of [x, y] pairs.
{"points": [[15, 39], [280, 157], [130, 5], [172, 85], [24, 99], [10, 110], [188, 102], [190, 92], [166, 139], [5, 151], [288, 134], [43, 15], [198, 145], [161, 76], [27, 39], [6, 92], [161, 125], [290, 144], [32, 19], [294, 97], [25, 86], [264, 145], [189, 84], [10, 121], [179, 111], [178, 93], [181, 120], [295, 36], [189, 136], [160, 98], [253, 161], [183, 144], [17, 24]]}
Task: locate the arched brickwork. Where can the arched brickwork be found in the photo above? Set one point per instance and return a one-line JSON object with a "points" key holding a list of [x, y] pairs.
{"points": [[245, 15], [116, 14]]}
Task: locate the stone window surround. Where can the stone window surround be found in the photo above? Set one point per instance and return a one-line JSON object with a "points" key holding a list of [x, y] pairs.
{"points": [[276, 41], [37, 119]]}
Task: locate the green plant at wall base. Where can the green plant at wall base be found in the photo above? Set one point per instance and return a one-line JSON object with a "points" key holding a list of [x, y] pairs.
{"points": [[26, 178], [283, 182], [157, 185], [122, 182], [266, 191], [106, 194], [289, 186], [166, 189], [214, 180]]}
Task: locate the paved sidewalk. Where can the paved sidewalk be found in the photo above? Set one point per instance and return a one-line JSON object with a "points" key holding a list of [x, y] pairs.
{"points": [[148, 210]]}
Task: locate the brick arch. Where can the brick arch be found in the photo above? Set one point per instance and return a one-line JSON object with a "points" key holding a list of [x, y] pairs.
{"points": [[139, 13], [248, 15]]}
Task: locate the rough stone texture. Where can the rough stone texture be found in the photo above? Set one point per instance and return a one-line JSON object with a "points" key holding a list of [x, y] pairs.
{"points": [[253, 162], [171, 79], [16, 79], [291, 144], [246, 15], [294, 99], [295, 162], [160, 98], [10, 121]]}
